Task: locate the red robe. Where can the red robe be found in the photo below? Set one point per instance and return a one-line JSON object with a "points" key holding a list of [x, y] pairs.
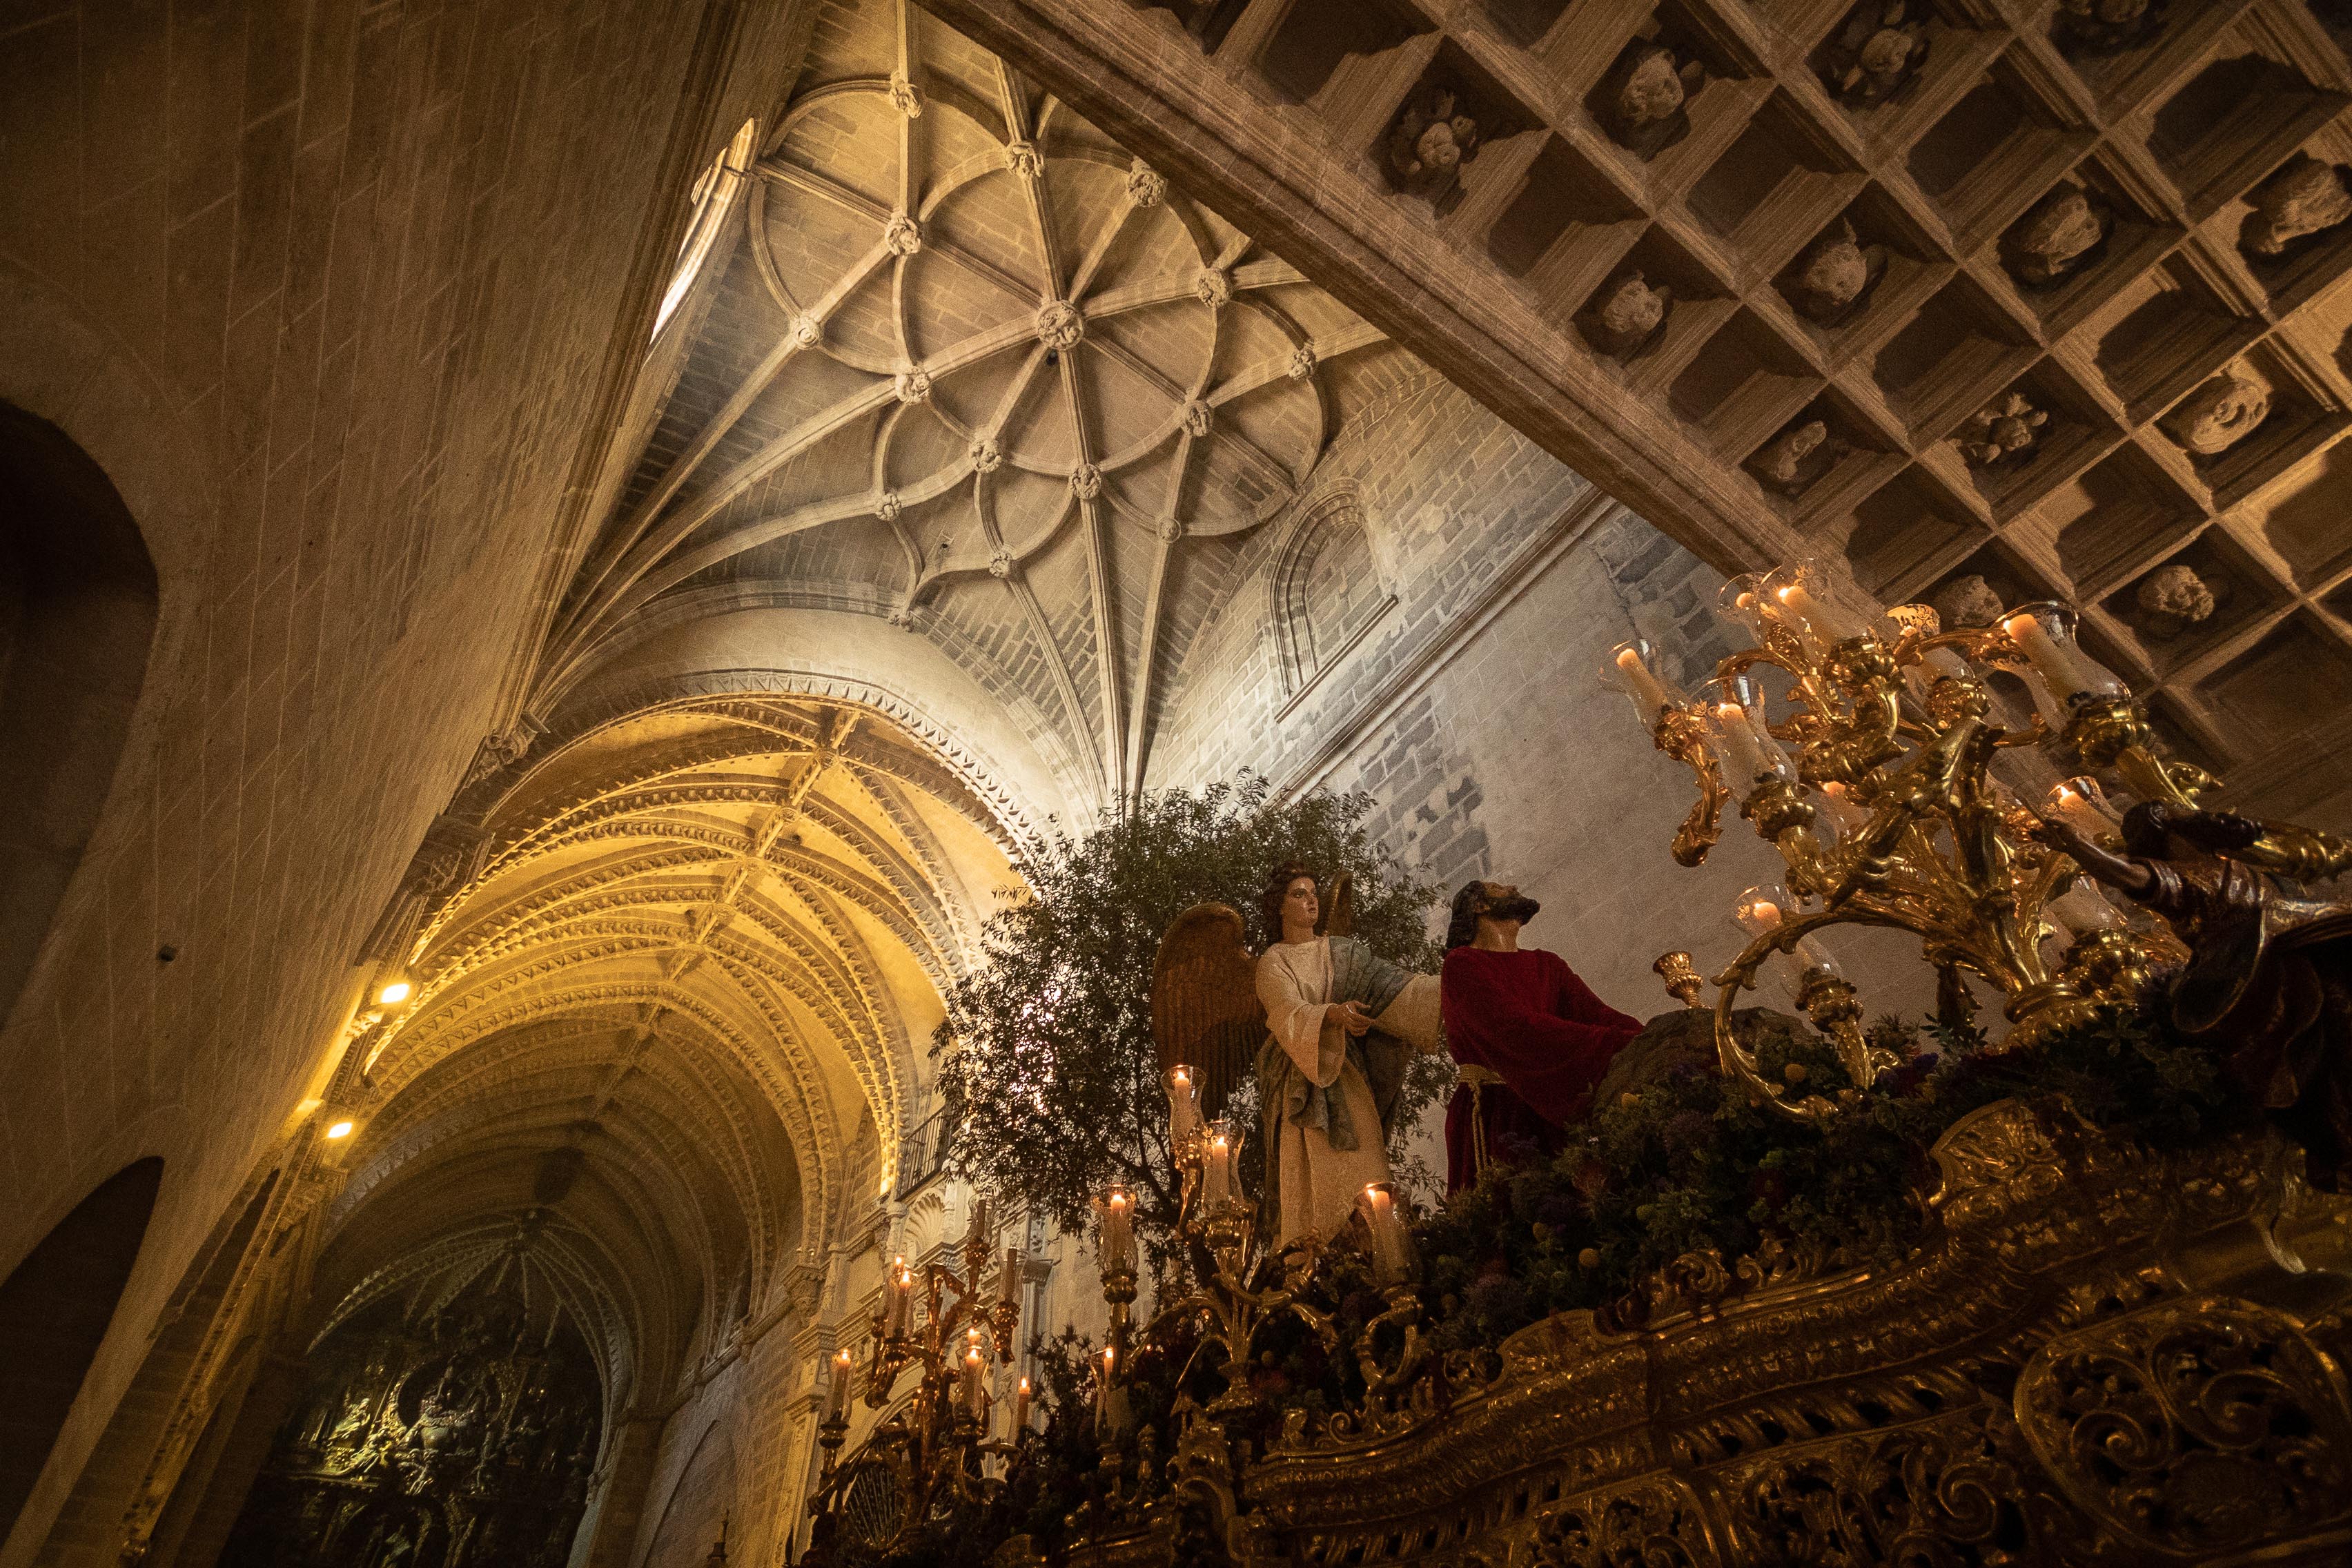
{"points": [[1527, 1017]]}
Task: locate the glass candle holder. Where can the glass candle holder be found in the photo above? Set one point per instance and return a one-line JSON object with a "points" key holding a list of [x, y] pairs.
{"points": [[2082, 805], [836, 1387], [1116, 1207], [1741, 600], [1797, 595], [1182, 1085], [2044, 633], [1631, 667], [900, 1303], [1760, 910], [1219, 1149], [1735, 711], [1392, 1247]]}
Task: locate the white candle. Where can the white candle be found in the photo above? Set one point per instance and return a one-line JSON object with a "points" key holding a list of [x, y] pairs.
{"points": [[901, 1303], [1741, 751], [836, 1391], [1021, 1407], [1102, 1384], [1388, 1256], [1118, 1232], [1217, 1167], [975, 1388], [1008, 1284], [1183, 1108], [1650, 693], [2047, 641], [2077, 803], [1813, 612], [983, 1225]]}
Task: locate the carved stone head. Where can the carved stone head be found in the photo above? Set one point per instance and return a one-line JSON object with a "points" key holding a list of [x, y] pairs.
{"points": [[2173, 598], [2220, 414], [1967, 600], [2051, 241], [1797, 456], [1644, 108], [1625, 314], [2303, 198], [2003, 430], [1431, 142], [1834, 273], [1656, 87]]}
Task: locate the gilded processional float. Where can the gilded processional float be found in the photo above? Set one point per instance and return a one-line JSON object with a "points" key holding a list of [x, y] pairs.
{"points": [[2111, 1330]]}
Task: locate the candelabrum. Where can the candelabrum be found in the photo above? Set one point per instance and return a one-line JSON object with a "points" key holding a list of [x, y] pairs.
{"points": [[1242, 1284], [938, 1447], [1875, 781]]}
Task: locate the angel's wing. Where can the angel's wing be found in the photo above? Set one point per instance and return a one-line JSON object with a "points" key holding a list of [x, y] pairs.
{"points": [[1340, 919], [1204, 1005]]}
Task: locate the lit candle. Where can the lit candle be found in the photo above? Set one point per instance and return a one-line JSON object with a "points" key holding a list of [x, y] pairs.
{"points": [[975, 1387], [902, 1298], [1764, 913], [2077, 803], [1390, 1257], [836, 1389], [1848, 816], [1021, 1407], [1740, 600], [1790, 592], [1118, 1232], [1650, 697], [1744, 757], [1102, 1385], [1183, 1108], [1217, 1167], [2045, 634], [1008, 1285]]}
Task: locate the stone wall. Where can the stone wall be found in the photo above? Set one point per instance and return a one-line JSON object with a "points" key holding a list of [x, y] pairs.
{"points": [[1473, 714], [300, 278]]}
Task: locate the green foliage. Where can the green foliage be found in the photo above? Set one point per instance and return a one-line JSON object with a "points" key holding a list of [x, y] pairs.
{"points": [[1687, 1164], [1046, 1051]]}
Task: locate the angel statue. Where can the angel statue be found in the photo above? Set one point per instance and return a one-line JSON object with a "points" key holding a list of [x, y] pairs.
{"points": [[1331, 1027]]}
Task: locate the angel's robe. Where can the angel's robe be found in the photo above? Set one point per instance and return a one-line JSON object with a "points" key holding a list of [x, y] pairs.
{"points": [[1528, 1021], [1326, 1098]]}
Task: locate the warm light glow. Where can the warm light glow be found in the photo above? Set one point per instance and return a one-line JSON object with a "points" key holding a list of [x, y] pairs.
{"points": [[394, 995], [339, 1130]]}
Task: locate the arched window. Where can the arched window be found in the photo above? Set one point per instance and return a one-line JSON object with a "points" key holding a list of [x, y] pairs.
{"points": [[54, 1310], [1326, 590], [713, 198], [76, 619]]}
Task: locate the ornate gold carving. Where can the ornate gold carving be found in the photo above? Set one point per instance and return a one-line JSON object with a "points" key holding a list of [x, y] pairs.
{"points": [[2194, 1426]]}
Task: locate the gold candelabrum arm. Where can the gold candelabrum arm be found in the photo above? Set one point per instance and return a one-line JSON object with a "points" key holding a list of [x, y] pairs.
{"points": [[1681, 733]]}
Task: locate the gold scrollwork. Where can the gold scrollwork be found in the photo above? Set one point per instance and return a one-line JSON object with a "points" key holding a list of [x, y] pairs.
{"points": [[1656, 1522], [2197, 1426]]}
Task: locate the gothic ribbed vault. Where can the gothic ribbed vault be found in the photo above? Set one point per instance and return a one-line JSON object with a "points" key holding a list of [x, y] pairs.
{"points": [[965, 363]]}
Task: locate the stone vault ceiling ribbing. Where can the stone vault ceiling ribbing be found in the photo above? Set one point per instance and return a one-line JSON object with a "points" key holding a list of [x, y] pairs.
{"points": [[969, 354], [669, 1012]]}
